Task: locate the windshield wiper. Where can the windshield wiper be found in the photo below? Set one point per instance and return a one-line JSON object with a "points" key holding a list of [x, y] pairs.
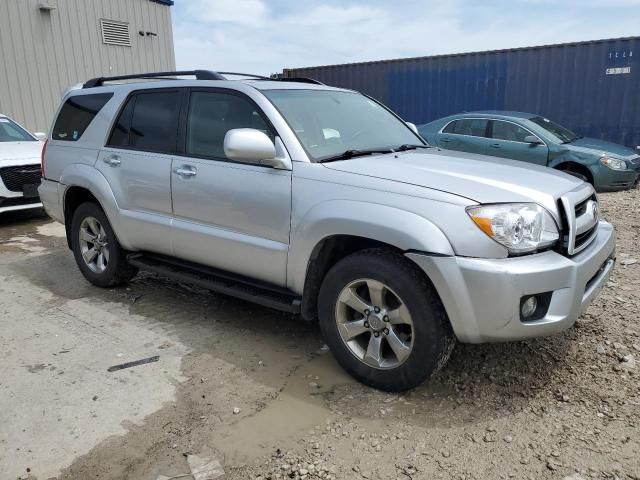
{"points": [[406, 146], [577, 137], [347, 154]]}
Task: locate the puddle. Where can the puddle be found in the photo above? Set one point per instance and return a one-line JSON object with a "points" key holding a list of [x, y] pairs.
{"points": [[299, 407]]}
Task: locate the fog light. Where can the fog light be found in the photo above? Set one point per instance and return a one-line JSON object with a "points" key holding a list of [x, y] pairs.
{"points": [[529, 307]]}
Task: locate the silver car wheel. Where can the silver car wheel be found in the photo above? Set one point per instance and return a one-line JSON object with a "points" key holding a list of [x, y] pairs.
{"points": [[374, 324], [94, 246]]}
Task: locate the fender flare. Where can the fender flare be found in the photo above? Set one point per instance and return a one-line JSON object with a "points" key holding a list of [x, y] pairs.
{"points": [[91, 179], [404, 230]]}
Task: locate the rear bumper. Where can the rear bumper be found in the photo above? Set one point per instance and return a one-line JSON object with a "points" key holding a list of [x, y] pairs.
{"points": [[482, 296], [50, 198]]}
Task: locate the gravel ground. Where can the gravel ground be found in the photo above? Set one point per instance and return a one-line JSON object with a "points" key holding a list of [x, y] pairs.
{"points": [[257, 391]]}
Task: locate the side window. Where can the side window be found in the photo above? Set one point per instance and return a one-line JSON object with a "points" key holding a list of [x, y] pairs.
{"points": [[508, 131], [211, 115], [120, 133], [76, 114], [451, 127], [475, 127], [154, 122]]}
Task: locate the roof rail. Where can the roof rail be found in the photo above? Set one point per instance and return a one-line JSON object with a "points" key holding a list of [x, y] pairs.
{"points": [[199, 74], [250, 75], [299, 80]]}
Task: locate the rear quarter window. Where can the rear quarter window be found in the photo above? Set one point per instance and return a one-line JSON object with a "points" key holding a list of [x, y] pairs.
{"points": [[77, 114]]}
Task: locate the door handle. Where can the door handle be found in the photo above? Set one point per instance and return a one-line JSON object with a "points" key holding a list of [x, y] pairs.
{"points": [[496, 145], [186, 171], [112, 160], [445, 140]]}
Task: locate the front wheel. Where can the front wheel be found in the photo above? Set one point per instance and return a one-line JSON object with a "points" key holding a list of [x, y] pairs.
{"points": [[383, 320], [95, 247]]}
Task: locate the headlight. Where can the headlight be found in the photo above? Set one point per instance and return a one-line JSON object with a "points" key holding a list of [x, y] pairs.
{"points": [[613, 163], [521, 227]]}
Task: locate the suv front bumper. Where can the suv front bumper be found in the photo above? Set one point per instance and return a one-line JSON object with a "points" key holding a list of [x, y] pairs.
{"points": [[482, 296]]}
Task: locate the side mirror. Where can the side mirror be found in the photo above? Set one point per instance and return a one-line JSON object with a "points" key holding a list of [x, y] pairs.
{"points": [[533, 140], [413, 127], [40, 136], [248, 145]]}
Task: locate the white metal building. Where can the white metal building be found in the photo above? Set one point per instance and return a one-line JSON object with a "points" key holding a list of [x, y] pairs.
{"points": [[47, 46]]}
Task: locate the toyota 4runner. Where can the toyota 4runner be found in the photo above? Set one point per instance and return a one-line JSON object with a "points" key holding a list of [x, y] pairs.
{"points": [[321, 201]]}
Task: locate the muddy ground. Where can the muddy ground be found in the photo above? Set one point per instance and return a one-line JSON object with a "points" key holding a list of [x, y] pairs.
{"points": [[256, 390]]}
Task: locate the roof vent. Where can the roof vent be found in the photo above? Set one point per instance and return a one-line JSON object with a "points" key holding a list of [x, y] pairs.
{"points": [[115, 33]]}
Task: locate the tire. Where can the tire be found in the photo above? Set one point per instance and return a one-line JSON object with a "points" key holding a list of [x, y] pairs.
{"points": [[429, 338], [114, 269]]}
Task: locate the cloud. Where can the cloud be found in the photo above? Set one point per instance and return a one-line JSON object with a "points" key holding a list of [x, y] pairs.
{"points": [[251, 35], [240, 12]]}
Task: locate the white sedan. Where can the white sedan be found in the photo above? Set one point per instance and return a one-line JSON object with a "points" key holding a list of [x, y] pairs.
{"points": [[20, 153]]}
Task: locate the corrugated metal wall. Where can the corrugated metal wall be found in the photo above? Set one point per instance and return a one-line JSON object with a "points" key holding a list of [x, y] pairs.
{"points": [[591, 87], [43, 53]]}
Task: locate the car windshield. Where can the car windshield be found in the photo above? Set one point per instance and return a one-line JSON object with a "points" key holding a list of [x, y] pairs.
{"points": [[12, 132], [564, 135], [329, 123]]}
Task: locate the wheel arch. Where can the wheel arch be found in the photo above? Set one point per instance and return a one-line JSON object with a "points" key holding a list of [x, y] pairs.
{"points": [[85, 183], [577, 167], [331, 232]]}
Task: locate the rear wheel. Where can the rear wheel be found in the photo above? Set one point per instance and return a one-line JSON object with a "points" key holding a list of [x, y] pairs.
{"points": [[383, 320], [95, 247]]}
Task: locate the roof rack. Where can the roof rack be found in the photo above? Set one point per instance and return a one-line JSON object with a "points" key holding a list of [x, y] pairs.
{"points": [[250, 75], [298, 80], [199, 74]]}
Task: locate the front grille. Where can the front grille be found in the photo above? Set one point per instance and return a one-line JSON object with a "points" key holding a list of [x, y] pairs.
{"points": [[15, 178], [580, 222]]}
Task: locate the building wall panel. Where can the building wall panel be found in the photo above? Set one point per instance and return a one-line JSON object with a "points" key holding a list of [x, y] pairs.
{"points": [[44, 53]]}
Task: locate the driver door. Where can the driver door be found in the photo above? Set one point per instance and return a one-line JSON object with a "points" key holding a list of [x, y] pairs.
{"points": [[228, 215], [507, 141]]}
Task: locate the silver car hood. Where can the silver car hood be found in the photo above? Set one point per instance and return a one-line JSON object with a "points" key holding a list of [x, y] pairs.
{"points": [[477, 177]]}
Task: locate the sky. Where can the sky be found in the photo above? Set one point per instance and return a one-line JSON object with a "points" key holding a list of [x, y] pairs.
{"points": [[263, 37]]}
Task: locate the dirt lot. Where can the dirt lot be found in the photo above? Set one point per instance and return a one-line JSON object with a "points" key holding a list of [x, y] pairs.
{"points": [[257, 390]]}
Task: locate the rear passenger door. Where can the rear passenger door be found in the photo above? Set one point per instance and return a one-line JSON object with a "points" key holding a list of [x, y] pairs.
{"points": [[465, 135], [507, 141], [136, 162], [229, 215]]}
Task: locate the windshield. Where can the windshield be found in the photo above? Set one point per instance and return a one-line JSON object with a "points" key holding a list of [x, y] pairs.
{"points": [[329, 122], [563, 135], [12, 132]]}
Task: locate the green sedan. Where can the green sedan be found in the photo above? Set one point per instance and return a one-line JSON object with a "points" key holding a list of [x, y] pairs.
{"points": [[535, 139]]}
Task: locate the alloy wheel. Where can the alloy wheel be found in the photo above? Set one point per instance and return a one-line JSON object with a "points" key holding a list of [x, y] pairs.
{"points": [[374, 323], [94, 246]]}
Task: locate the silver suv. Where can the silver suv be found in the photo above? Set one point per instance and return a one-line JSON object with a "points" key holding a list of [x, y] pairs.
{"points": [[321, 201]]}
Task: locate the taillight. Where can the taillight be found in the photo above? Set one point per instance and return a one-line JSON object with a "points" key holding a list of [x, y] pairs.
{"points": [[44, 149]]}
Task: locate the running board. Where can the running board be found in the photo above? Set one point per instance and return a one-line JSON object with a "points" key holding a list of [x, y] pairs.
{"points": [[219, 281]]}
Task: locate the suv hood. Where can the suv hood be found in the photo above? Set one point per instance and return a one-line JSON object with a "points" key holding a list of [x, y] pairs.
{"points": [[603, 146], [20, 151], [477, 177]]}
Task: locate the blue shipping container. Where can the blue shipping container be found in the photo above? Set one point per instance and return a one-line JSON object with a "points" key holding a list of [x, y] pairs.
{"points": [[592, 87]]}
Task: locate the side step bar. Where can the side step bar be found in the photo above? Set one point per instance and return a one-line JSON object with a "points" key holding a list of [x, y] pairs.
{"points": [[219, 281]]}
